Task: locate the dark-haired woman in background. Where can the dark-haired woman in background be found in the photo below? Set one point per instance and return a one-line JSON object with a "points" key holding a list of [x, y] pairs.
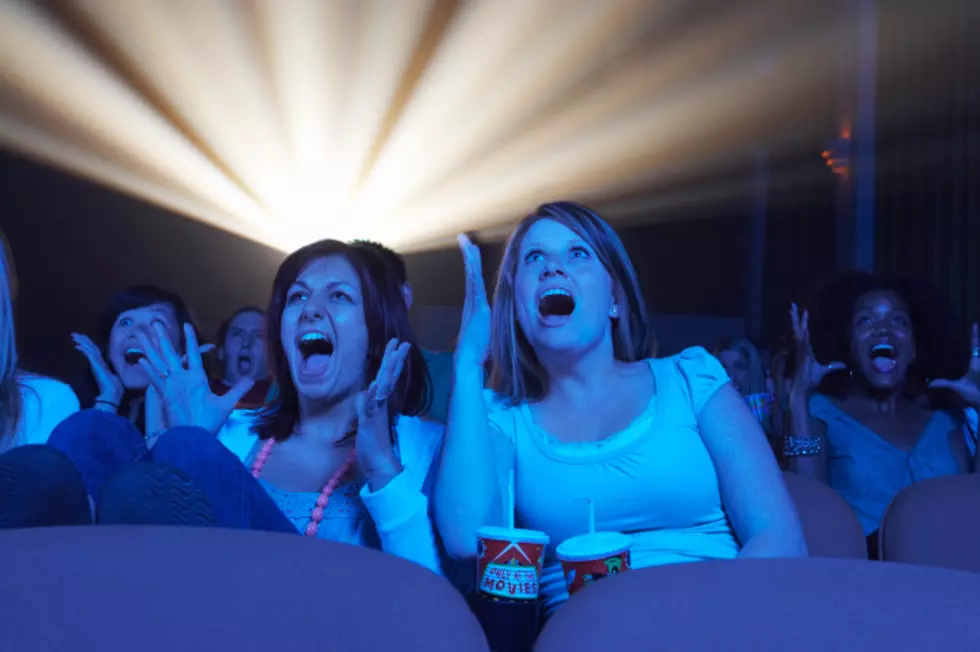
{"points": [[888, 420], [120, 379]]}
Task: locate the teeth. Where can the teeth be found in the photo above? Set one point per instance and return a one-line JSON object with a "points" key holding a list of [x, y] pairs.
{"points": [[883, 347], [312, 337], [555, 291], [133, 351]]}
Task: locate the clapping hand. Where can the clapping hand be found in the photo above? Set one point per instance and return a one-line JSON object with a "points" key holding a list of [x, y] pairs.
{"points": [[375, 453], [967, 387], [473, 344]]}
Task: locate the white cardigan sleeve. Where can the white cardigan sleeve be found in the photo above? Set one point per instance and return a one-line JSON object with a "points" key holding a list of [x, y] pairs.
{"points": [[401, 509]]}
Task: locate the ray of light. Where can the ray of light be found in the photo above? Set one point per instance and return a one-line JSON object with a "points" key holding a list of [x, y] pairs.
{"points": [[403, 121]]}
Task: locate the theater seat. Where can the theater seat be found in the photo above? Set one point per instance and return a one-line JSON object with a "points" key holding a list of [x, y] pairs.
{"points": [[934, 523], [166, 589], [830, 526], [802, 605]]}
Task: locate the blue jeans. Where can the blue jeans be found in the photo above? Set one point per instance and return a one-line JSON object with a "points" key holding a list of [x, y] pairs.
{"points": [[99, 444]]}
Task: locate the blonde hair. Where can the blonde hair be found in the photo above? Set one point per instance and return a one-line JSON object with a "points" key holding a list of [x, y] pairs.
{"points": [[745, 348], [516, 374], [10, 402]]}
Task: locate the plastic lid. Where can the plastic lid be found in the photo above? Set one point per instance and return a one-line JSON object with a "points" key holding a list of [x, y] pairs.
{"points": [[513, 534], [593, 546]]}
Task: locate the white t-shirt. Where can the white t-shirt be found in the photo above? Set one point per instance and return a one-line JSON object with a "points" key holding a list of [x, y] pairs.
{"points": [[653, 480], [45, 403], [394, 519]]}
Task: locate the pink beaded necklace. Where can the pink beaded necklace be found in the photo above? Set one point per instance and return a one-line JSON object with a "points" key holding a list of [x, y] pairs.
{"points": [[321, 502]]}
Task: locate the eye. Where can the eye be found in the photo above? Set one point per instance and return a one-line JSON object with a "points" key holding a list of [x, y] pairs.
{"points": [[340, 295], [125, 321], [295, 296], [902, 320], [862, 321], [160, 322], [580, 252], [533, 256]]}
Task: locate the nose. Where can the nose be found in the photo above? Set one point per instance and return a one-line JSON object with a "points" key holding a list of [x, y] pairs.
{"points": [[313, 310], [552, 269]]}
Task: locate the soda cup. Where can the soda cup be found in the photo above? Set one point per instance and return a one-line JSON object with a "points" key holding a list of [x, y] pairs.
{"points": [[509, 562], [591, 557]]}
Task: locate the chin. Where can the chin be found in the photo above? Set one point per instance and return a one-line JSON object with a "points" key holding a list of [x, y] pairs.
{"points": [[134, 380]]}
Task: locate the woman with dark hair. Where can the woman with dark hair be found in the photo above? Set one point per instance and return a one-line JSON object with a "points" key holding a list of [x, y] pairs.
{"points": [[880, 417], [120, 379], [665, 448]]}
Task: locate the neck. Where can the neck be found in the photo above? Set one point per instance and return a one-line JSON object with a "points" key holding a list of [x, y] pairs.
{"points": [[882, 402], [326, 422], [572, 377]]}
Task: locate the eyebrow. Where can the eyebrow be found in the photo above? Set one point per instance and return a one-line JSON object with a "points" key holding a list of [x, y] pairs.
{"points": [[571, 243], [330, 285]]}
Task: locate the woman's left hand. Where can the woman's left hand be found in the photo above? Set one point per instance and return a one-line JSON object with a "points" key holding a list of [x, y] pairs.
{"points": [[967, 387], [375, 453], [185, 390]]}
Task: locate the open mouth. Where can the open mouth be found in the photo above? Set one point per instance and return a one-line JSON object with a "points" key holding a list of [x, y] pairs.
{"points": [[132, 356], [884, 358], [555, 304], [315, 349], [244, 363]]}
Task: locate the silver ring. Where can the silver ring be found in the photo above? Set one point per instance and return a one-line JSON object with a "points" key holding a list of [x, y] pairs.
{"points": [[165, 375]]}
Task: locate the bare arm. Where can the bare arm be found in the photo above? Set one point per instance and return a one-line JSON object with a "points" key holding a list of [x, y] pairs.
{"points": [[466, 491], [752, 488], [466, 484], [805, 427]]}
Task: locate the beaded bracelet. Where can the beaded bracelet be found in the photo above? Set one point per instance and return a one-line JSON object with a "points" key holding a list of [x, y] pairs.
{"points": [[801, 446]]}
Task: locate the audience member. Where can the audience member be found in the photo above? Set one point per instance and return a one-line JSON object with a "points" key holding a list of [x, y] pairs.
{"points": [[877, 418], [120, 378], [666, 448], [242, 354], [30, 405]]}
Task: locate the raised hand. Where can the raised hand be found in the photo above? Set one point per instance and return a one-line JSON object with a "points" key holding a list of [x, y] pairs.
{"points": [[185, 391], [111, 389], [809, 372], [967, 387], [375, 453], [473, 345]]}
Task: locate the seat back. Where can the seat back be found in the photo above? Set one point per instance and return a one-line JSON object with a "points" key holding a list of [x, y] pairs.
{"points": [[830, 526], [159, 589], [934, 523]]}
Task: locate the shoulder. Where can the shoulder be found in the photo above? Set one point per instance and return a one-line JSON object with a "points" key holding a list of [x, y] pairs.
{"points": [[502, 413], [699, 374], [238, 434], [419, 441], [46, 403], [49, 393]]}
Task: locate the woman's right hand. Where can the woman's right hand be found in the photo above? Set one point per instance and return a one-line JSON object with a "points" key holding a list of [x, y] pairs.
{"points": [[809, 373], [110, 386], [473, 345]]}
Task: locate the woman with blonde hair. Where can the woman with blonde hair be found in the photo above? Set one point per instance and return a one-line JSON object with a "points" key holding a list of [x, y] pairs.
{"points": [[30, 405], [665, 448]]}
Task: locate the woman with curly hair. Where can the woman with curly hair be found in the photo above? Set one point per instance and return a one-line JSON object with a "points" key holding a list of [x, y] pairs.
{"points": [[884, 414]]}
